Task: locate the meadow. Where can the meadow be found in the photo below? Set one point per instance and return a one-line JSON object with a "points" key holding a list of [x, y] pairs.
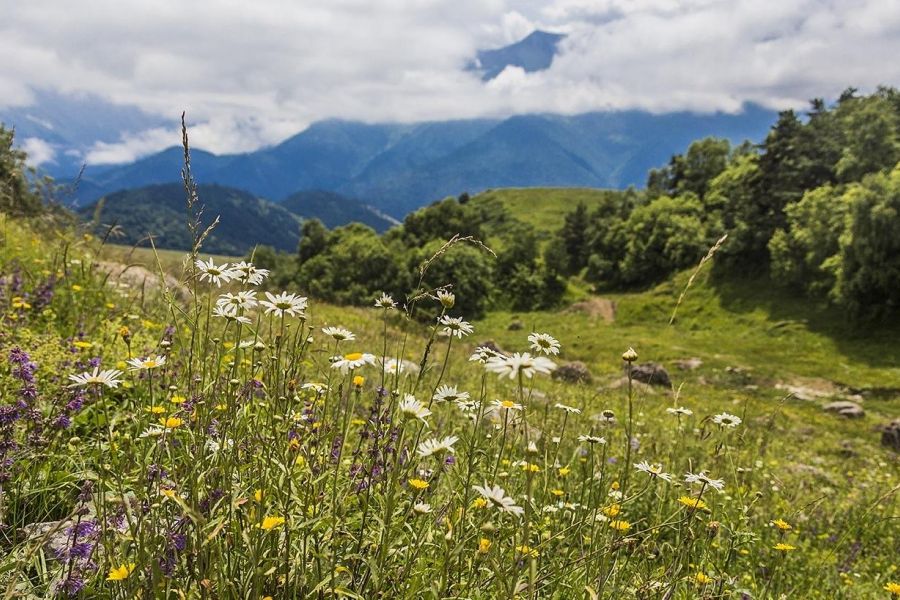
{"points": [[219, 439]]}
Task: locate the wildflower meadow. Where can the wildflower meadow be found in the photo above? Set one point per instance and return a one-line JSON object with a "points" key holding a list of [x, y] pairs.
{"points": [[245, 443]]}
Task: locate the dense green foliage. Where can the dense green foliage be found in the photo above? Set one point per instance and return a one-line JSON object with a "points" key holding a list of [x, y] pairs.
{"points": [[350, 264], [815, 205]]}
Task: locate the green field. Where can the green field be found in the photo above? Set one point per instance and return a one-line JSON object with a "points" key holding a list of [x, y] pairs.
{"points": [[545, 208]]}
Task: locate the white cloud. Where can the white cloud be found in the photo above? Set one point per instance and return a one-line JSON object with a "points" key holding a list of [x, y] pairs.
{"points": [[39, 151], [250, 74]]}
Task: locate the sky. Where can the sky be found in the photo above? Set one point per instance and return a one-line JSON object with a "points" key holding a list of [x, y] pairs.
{"points": [[251, 74]]}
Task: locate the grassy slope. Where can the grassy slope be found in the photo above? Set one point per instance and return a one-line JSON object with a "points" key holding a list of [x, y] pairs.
{"points": [[545, 208]]}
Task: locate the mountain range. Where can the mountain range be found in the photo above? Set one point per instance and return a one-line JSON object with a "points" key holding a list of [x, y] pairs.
{"points": [[397, 168]]}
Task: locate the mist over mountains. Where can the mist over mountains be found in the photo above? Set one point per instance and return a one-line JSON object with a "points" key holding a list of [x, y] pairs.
{"points": [[392, 167]]}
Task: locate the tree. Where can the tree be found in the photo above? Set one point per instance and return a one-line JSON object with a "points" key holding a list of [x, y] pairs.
{"points": [[806, 253], [574, 239], [665, 235], [313, 240], [868, 281], [16, 195]]}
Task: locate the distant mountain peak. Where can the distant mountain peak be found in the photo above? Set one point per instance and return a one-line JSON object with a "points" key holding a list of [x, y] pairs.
{"points": [[534, 52]]}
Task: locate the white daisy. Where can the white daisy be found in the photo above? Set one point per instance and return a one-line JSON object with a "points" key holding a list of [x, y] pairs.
{"points": [[411, 407], [524, 363], [248, 273], [680, 411], [591, 439], [318, 388], [385, 302], [704, 479], [284, 303], [107, 377], [422, 508], [498, 498], [456, 326], [569, 409], [138, 364], [217, 274], [229, 313], [467, 405], [727, 420], [506, 405], [482, 354], [447, 299], [437, 446], [339, 334], [544, 343], [653, 470], [398, 366], [243, 300], [354, 360], [448, 393]]}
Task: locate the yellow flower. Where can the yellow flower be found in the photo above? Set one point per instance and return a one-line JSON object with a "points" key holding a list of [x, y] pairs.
{"points": [[156, 410], [124, 331], [621, 526], [484, 545], [221, 406], [695, 503], [531, 468], [168, 493], [418, 484], [784, 547], [121, 572], [294, 444], [171, 422], [358, 380], [82, 345], [702, 578], [782, 524], [558, 492], [353, 356], [507, 404], [177, 399], [258, 495], [528, 551], [893, 588], [110, 305], [270, 523], [612, 510], [78, 288], [615, 485], [479, 503]]}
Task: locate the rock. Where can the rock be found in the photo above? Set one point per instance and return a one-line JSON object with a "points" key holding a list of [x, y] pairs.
{"points": [[652, 373], [845, 408], [688, 364], [516, 325], [573, 372], [890, 435]]}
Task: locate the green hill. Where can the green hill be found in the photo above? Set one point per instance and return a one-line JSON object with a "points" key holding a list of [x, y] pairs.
{"points": [[159, 210], [335, 210], [545, 208]]}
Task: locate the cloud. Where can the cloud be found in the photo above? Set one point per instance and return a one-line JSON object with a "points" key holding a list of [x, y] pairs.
{"points": [[39, 151], [252, 74]]}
